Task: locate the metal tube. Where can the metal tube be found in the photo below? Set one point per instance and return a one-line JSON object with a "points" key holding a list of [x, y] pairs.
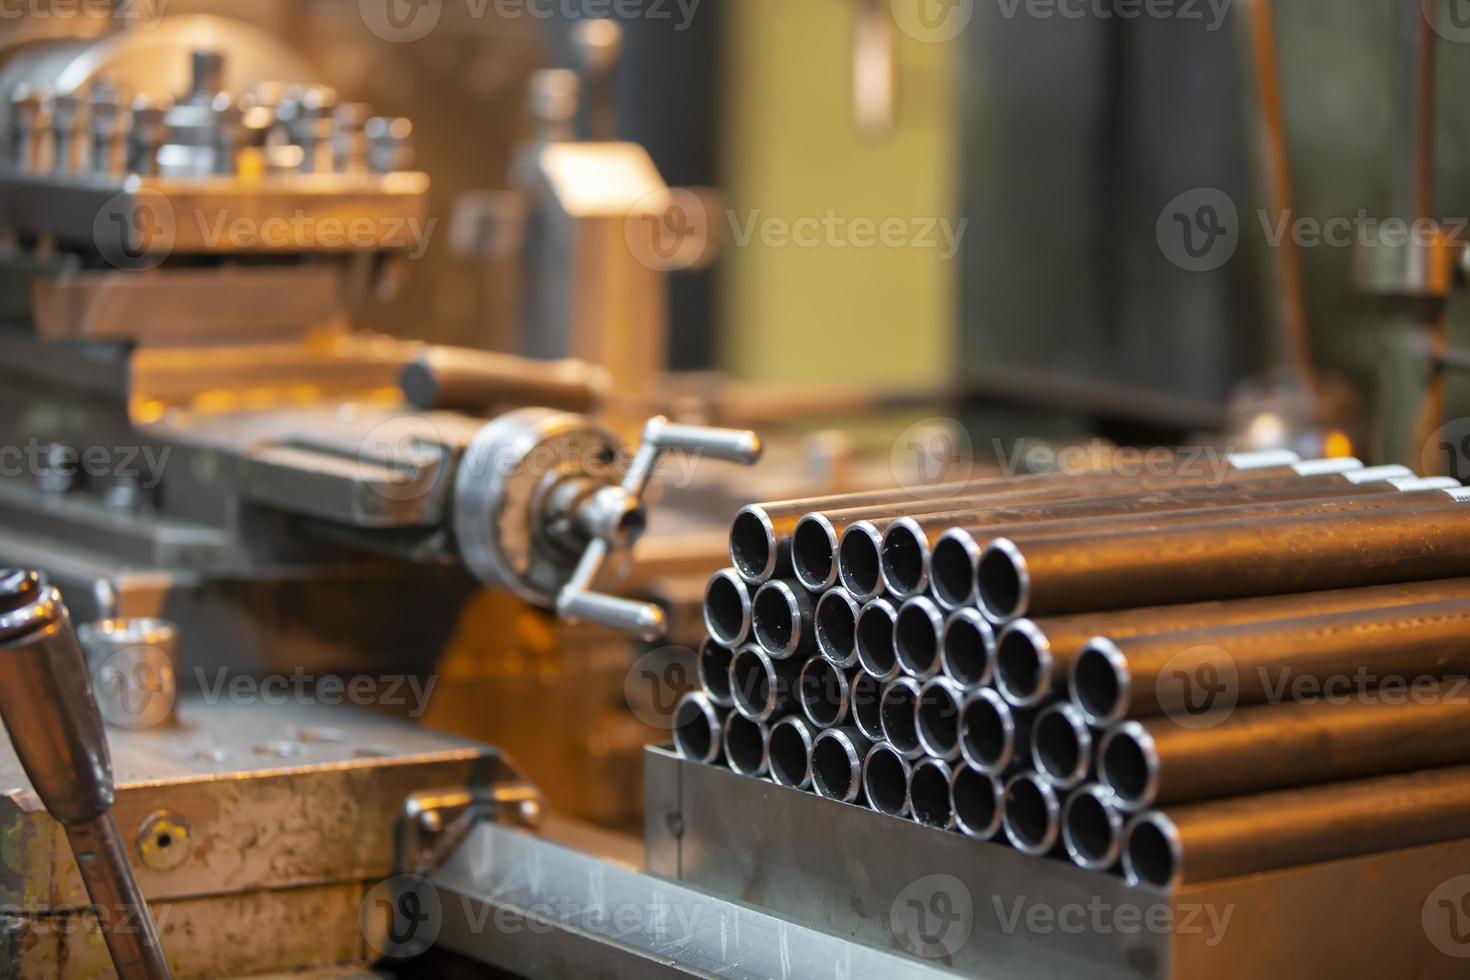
{"points": [[860, 561], [929, 802], [1234, 559], [835, 625], [699, 729], [1289, 828], [1061, 745], [993, 737], [875, 639], [1032, 815], [713, 667], [759, 550], [1160, 762], [918, 632], [781, 619], [937, 718], [727, 608], [867, 703], [462, 379], [790, 750], [1194, 672], [898, 711], [1040, 652], [886, 780], [1092, 828], [967, 652], [747, 745], [824, 692], [763, 688], [978, 801], [837, 764]]}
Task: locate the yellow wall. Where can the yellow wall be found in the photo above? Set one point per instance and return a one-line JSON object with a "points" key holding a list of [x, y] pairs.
{"points": [[791, 149]]}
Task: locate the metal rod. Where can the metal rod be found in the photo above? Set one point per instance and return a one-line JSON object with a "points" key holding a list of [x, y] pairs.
{"points": [[1160, 762], [886, 780], [967, 653], [1228, 560], [699, 729], [781, 619], [1289, 828], [978, 801], [1032, 815], [929, 802], [1092, 828], [937, 718], [1193, 672], [747, 744], [837, 764]]}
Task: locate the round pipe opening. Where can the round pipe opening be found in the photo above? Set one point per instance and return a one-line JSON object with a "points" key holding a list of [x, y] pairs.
{"points": [[790, 753], [938, 719], [753, 683], [952, 569], [836, 627], [929, 794], [714, 672], [1127, 766], [1001, 580], [696, 729], [753, 545], [1058, 746], [967, 648], [866, 694], [836, 767], [745, 745], [859, 561], [987, 732], [900, 728], [1031, 815], [875, 640], [1099, 682], [824, 693], [773, 618], [976, 798], [1151, 852], [727, 608], [814, 552], [1023, 664], [885, 780], [916, 637], [1091, 830], [904, 558]]}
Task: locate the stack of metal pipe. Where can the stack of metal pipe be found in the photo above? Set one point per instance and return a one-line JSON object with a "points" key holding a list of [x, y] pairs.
{"points": [[1132, 672]]}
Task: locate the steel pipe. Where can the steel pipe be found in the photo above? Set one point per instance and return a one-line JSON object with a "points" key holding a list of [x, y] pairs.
{"points": [[860, 560], [1040, 652], [1092, 828], [937, 718], [781, 619], [867, 701], [994, 738], [929, 802], [1192, 672], [1232, 559], [834, 623], [967, 653], [747, 744], [1288, 828], [918, 634], [1061, 745], [898, 711], [837, 764], [790, 751], [886, 780], [727, 608], [763, 688], [1159, 762], [875, 648], [1032, 815], [978, 802], [699, 729], [713, 668], [824, 692]]}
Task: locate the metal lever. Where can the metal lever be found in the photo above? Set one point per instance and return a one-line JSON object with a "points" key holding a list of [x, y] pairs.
{"points": [[48, 709], [614, 518]]}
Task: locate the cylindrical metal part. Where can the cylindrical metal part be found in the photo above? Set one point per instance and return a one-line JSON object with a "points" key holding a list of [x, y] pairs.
{"points": [[1061, 745], [860, 561], [462, 379], [1195, 672], [1289, 828], [937, 718], [814, 552], [875, 639], [1160, 762], [929, 802], [759, 550], [781, 619], [746, 744], [790, 750], [952, 568], [102, 859], [699, 728], [727, 608], [867, 703], [824, 692], [886, 780], [918, 635], [713, 668], [1233, 559], [978, 802], [837, 764], [834, 623], [967, 653], [134, 666], [899, 713], [762, 687], [1040, 652], [1092, 827], [1032, 814], [993, 737]]}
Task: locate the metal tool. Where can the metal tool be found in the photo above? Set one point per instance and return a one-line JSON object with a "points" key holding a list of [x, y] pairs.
{"points": [[53, 722]]}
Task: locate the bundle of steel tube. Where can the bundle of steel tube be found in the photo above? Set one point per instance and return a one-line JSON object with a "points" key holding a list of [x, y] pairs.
{"points": [[1146, 675]]}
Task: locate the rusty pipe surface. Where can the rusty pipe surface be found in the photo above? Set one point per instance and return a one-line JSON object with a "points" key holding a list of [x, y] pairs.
{"points": [[1288, 828], [1193, 673], [1160, 762], [977, 800], [1227, 560], [1037, 654]]}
